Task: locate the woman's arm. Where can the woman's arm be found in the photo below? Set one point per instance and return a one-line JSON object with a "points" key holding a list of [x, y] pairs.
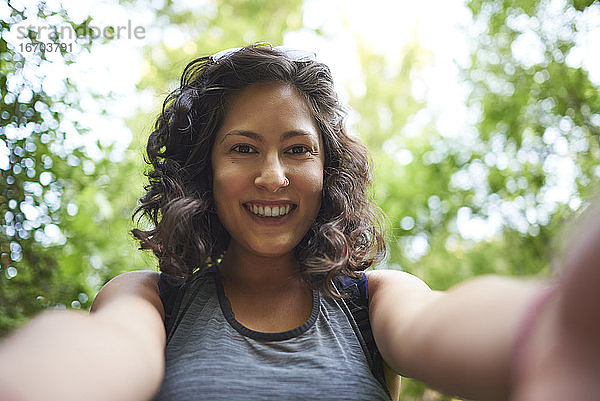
{"points": [[459, 341], [494, 338], [497, 338], [113, 353]]}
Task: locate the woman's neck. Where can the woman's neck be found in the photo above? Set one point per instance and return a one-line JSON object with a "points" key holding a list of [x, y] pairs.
{"points": [[265, 293], [241, 268]]}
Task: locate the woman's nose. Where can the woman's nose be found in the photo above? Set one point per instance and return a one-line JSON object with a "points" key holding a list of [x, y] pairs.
{"points": [[271, 176]]}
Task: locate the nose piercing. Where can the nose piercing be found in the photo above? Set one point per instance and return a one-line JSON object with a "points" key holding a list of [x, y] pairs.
{"points": [[286, 182]]}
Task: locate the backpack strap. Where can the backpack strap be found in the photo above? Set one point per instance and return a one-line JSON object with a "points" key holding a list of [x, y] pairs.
{"points": [[171, 290], [357, 303], [177, 297]]}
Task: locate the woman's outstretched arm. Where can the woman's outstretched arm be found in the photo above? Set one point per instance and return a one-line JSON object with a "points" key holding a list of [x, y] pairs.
{"points": [[113, 353], [457, 341], [495, 338]]}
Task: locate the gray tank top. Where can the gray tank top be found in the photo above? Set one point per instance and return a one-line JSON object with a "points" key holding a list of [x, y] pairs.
{"points": [[211, 356]]}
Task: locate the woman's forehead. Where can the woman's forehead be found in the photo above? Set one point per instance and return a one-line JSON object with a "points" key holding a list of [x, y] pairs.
{"points": [[269, 107]]}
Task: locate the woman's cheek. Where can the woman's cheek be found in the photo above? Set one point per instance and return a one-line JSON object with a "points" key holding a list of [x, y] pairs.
{"points": [[226, 184], [311, 184], [310, 176]]}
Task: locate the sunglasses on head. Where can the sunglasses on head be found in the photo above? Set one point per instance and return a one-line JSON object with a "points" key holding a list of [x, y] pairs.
{"points": [[293, 54]]}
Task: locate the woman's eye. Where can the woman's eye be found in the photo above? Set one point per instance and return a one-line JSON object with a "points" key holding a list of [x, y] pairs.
{"points": [[299, 150], [243, 149]]}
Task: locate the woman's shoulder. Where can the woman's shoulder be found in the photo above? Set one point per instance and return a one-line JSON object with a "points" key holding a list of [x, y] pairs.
{"points": [[141, 284], [137, 276], [134, 280], [384, 279]]}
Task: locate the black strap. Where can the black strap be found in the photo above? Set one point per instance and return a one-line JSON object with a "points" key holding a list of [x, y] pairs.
{"points": [[171, 290], [357, 303]]}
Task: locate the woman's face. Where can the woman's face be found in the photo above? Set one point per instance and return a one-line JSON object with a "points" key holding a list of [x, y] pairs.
{"points": [[267, 162]]}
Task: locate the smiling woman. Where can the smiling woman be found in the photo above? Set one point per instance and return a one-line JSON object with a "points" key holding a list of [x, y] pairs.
{"points": [[265, 117], [263, 230], [258, 197]]}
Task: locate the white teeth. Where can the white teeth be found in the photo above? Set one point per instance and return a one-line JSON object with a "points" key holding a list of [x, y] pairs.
{"points": [[269, 211]]}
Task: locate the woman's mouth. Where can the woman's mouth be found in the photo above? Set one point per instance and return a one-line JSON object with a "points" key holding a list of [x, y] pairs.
{"points": [[272, 210]]}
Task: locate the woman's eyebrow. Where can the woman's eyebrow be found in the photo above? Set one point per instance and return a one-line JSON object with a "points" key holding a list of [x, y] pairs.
{"points": [[248, 134], [253, 135], [297, 132]]}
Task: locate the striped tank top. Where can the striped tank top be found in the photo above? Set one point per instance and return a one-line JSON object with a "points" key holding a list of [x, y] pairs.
{"points": [[211, 356]]}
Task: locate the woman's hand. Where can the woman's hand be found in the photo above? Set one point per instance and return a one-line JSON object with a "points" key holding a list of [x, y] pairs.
{"points": [[558, 354], [495, 338], [114, 353]]}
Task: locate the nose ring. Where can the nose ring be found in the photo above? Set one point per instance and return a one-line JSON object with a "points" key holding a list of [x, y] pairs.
{"points": [[286, 182]]}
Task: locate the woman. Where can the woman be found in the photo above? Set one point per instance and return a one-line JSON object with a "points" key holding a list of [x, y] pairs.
{"points": [[258, 202]]}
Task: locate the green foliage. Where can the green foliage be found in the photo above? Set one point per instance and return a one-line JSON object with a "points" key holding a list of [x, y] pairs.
{"points": [[64, 216], [221, 26], [538, 121]]}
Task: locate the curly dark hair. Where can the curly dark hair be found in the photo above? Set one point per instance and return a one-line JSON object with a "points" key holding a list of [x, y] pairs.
{"points": [[347, 234]]}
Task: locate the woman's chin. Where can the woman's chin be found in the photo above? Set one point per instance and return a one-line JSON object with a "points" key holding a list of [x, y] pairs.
{"points": [[268, 248]]}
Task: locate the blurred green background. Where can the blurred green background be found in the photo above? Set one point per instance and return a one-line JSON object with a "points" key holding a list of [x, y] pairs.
{"points": [[483, 120]]}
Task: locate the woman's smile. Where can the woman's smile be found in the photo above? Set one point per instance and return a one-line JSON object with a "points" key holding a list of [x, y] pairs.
{"points": [[277, 209]]}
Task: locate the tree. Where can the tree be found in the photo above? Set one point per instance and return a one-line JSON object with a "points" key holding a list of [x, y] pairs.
{"points": [[528, 163], [63, 228]]}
